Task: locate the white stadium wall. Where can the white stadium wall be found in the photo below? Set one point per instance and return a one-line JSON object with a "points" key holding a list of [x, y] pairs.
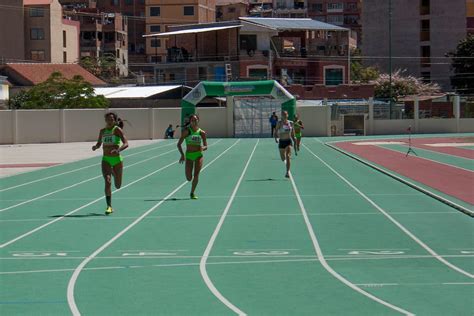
{"points": [[50, 126]]}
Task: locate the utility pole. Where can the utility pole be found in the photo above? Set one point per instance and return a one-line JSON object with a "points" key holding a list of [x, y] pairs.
{"points": [[390, 56]]}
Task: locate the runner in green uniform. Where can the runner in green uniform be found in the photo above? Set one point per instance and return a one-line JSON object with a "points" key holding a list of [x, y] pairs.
{"points": [[113, 141], [196, 143], [298, 125]]}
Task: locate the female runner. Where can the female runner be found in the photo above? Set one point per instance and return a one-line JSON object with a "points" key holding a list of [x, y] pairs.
{"points": [[114, 142], [284, 133], [196, 143]]}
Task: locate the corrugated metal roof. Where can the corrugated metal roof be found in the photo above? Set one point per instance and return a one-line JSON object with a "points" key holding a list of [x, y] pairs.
{"points": [[294, 24], [133, 92], [194, 30]]}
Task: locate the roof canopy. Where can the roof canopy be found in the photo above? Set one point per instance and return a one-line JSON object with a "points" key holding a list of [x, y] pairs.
{"points": [[193, 31], [281, 24], [133, 92]]}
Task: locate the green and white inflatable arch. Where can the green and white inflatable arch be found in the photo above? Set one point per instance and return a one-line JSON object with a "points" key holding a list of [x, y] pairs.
{"points": [[245, 88]]}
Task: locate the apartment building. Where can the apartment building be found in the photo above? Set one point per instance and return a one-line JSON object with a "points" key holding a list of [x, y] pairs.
{"points": [[162, 14], [11, 30], [134, 10], [295, 51], [103, 34], [231, 10], [290, 8], [423, 32], [48, 36], [345, 13]]}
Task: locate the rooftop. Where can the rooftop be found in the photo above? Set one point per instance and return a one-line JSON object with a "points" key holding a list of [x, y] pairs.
{"points": [[35, 73], [284, 24]]}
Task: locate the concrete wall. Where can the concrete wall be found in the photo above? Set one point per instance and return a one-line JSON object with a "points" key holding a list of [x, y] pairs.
{"points": [[315, 120], [391, 127], [46, 126], [6, 127]]}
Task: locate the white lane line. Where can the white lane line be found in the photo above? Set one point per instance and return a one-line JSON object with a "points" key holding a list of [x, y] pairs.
{"points": [[203, 261], [79, 183], [86, 205], [78, 169], [72, 281], [393, 220], [324, 263], [232, 215], [327, 258], [428, 159]]}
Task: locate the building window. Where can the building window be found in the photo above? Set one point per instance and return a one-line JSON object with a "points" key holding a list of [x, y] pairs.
{"points": [[37, 34], [335, 7], [231, 10], [335, 19], [351, 19], [155, 42], [188, 10], [425, 7], [37, 55], [333, 76], [128, 2], [36, 12], [425, 56], [425, 30], [172, 77], [248, 42], [65, 57], [351, 6], [155, 11], [64, 39], [426, 76], [258, 73], [155, 59], [114, 2], [317, 7], [155, 28]]}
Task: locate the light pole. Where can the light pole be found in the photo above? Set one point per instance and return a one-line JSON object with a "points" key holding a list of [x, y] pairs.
{"points": [[390, 56]]}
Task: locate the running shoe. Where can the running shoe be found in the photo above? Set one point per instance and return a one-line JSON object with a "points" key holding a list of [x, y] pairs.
{"points": [[109, 211], [193, 196]]}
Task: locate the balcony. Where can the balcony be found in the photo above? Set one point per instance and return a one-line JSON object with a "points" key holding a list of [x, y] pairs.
{"points": [[424, 36]]}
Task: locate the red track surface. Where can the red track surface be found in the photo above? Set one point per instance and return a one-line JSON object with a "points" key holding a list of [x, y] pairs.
{"points": [[455, 151], [29, 165], [452, 181]]}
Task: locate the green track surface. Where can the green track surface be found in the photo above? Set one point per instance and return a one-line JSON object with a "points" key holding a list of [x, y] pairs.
{"points": [[263, 260]]}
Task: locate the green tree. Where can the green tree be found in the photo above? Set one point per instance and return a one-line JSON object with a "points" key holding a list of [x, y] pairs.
{"points": [[359, 73], [463, 66], [58, 92], [104, 67]]}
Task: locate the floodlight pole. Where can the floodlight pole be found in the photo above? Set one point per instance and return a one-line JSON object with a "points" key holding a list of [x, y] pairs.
{"points": [[390, 56]]}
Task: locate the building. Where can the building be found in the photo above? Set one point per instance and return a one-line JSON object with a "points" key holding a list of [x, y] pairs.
{"points": [[470, 16], [231, 10], [134, 10], [103, 35], [30, 74], [345, 13], [48, 36], [290, 8], [261, 8], [295, 51], [423, 32], [11, 30], [78, 4], [162, 14]]}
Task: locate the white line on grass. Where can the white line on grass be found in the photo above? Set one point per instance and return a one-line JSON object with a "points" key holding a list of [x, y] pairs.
{"points": [[72, 281], [86, 205], [79, 183], [393, 220], [78, 169], [324, 263], [202, 263]]}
